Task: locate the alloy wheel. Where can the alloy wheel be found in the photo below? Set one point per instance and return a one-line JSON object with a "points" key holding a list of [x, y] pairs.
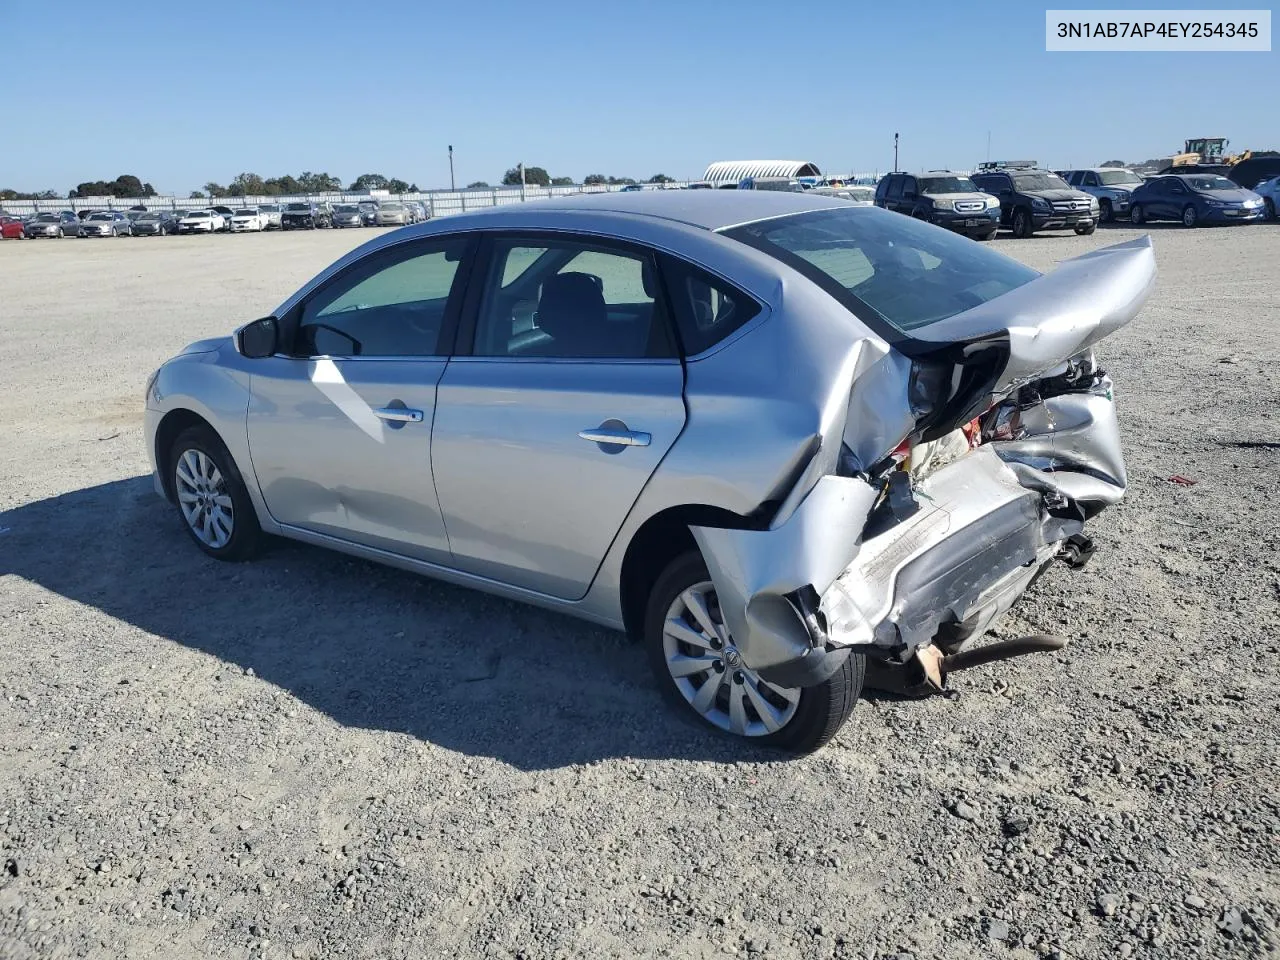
{"points": [[204, 498], [1189, 216], [709, 673]]}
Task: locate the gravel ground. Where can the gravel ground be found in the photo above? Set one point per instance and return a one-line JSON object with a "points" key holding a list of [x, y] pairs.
{"points": [[311, 756]]}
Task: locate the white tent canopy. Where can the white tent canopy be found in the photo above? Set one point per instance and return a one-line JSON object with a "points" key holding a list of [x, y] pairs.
{"points": [[734, 170]]}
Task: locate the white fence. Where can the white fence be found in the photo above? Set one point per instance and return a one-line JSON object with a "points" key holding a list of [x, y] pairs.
{"points": [[439, 203]]}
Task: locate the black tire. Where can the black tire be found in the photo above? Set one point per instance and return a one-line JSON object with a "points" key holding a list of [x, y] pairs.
{"points": [[1022, 227], [246, 534], [61, 234], [1105, 213], [1269, 206], [1085, 231], [1190, 217], [822, 709], [989, 235], [1136, 214]]}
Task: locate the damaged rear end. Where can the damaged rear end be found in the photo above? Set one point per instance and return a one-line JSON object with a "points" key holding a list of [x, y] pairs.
{"points": [[972, 452]]}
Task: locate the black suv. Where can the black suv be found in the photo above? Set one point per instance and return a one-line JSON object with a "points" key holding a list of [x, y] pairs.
{"points": [[939, 196], [306, 216], [1032, 199]]}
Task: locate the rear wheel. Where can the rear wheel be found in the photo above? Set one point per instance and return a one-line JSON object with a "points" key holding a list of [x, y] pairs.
{"points": [[211, 496], [701, 671], [1136, 214], [1190, 217], [1021, 223]]}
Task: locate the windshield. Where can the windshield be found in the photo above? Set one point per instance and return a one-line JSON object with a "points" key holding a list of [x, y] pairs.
{"points": [[100, 216], [47, 218], [198, 215], [298, 206], [886, 266], [859, 193], [1117, 178], [148, 216], [180, 213], [269, 207], [393, 207], [345, 208], [947, 185], [244, 212], [1211, 183], [1039, 181]]}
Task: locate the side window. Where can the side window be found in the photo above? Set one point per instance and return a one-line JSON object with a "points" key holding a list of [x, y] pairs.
{"points": [[1174, 186], [881, 189], [909, 188], [1072, 178], [391, 304], [895, 189], [706, 309], [570, 299], [1091, 179]]}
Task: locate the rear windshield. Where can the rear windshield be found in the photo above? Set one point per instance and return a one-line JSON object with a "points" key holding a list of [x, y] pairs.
{"points": [[887, 267]]}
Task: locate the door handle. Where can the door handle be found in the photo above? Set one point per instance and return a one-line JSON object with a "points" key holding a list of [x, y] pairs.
{"points": [[398, 414], [618, 437]]}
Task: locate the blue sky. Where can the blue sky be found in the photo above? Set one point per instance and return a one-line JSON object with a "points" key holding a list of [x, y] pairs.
{"points": [[180, 93]]}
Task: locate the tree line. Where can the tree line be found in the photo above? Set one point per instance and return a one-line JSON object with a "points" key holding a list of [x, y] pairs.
{"points": [[307, 182]]}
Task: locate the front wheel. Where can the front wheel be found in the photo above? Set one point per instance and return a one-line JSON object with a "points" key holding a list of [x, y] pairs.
{"points": [[1021, 224], [211, 496], [1105, 213], [1190, 217], [989, 235], [1269, 206], [700, 670], [1136, 214]]}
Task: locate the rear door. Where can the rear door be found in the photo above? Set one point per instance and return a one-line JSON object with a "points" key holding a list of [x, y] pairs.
{"points": [[564, 395]]}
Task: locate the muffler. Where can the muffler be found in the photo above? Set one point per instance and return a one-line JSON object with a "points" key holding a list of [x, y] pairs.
{"points": [[925, 674]]}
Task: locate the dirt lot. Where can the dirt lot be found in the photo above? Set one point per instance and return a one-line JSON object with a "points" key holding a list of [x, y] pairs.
{"points": [[311, 756]]}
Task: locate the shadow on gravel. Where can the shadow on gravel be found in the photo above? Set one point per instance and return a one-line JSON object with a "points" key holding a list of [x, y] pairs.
{"points": [[367, 645]]}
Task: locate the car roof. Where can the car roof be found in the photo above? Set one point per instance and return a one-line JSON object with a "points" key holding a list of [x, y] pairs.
{"points": [[708, 209]]}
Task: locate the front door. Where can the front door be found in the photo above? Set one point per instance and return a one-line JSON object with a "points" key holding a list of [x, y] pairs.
{"points": [[340, 422], [571, 395]]}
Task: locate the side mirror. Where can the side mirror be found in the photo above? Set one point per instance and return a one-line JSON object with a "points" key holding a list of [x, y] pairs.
{"points": [[258, 339]]}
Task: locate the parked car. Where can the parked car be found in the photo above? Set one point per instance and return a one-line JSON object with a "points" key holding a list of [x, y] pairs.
{"points": [[270, 214], [1269, 191], [859, 196], [153, 223], [226, 213], [1111, 185], [368, 212], [175, 218], [1195, 199], [887, 497], [12, 228], [702, 185], [64, 223], [106, 223], [347, 215], [246, 220], [1032, 199], [420, 209], [306, 216], [200, 221], [392, 213], [783, 184], [1253, 170], [947, 199]]}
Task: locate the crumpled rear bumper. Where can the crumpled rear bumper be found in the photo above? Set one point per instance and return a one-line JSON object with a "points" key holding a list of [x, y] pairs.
{"points": [[833, 579]]}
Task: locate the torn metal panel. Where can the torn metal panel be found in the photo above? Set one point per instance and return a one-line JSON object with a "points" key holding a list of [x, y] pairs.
{"points": [[755, 570], [1070, 444], [1059, 314], [977, 532]]}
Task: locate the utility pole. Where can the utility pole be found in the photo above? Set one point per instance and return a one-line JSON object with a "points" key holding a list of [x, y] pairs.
{"points": [[521, 166], [895, 153], [451, 185]]}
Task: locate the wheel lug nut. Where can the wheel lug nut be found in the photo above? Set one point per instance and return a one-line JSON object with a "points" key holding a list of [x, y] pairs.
{"points": [[718, 666], [739, 677], [716, 643]]}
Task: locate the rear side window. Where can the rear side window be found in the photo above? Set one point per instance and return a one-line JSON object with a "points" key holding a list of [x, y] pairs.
{"points": [[706, 308], [895, 189], [887, 269]]}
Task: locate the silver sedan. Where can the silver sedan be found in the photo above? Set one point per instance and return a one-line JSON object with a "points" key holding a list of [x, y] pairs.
{"points": [[779, 439]]}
